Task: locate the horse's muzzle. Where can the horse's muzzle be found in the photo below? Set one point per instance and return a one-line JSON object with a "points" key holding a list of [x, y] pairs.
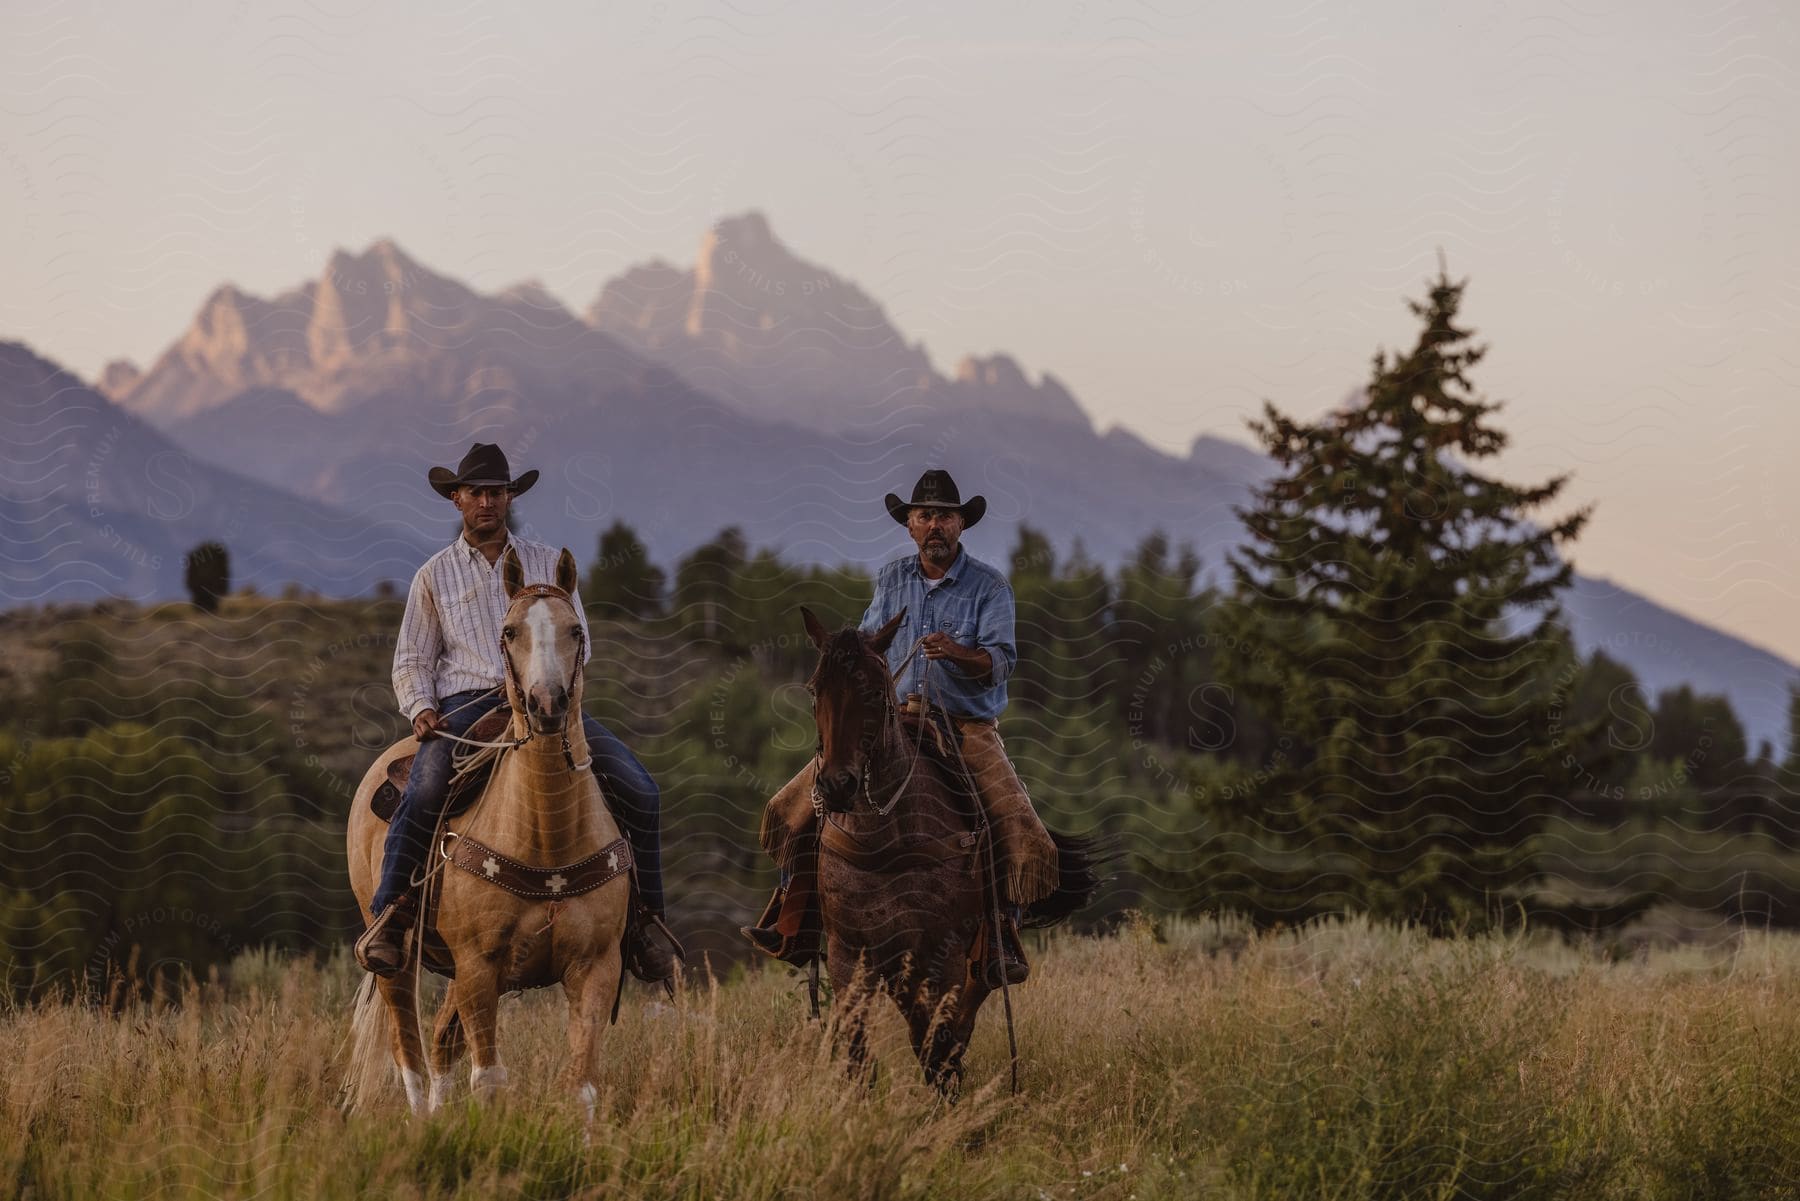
{"points": [[837, 789], [547, 709]]}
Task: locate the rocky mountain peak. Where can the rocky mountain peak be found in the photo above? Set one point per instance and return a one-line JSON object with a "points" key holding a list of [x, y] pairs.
{"points": [[235, 338], [744, 278], [646, 307], [531, 294], [376, 300], [221, 317], [999, 371], [749, 232], [775, 334], [118, 378], [382, 258], [997, 383], [783, 337]]}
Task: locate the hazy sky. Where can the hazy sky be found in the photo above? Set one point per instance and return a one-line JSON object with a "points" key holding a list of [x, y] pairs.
{"points": [[1179, 210]]}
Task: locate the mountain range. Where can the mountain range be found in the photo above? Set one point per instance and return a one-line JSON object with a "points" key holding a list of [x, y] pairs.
{"points": [[96, 502], [752, 388]]}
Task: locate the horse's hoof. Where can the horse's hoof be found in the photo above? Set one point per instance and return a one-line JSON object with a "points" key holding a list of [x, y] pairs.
{"points": [[440, 1092], [485, 1082]]}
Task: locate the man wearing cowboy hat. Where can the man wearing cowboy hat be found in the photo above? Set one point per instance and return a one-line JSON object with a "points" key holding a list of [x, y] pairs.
{"points": [[449, 671], [956, 651]]}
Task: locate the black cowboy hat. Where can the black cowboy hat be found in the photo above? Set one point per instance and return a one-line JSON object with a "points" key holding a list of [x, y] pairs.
{"points": [[936, 490], [484, 464]]}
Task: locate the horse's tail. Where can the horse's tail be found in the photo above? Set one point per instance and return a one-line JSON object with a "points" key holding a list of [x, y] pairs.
{"points": [[1079, 859], [370, 1065]]}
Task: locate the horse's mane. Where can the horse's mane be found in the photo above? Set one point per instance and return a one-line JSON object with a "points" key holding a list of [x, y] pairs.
{"points": [[849, 645]]}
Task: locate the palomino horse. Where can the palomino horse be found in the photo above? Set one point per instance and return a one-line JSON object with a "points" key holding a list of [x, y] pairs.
{"points": [[905, 861], [553, 903]]}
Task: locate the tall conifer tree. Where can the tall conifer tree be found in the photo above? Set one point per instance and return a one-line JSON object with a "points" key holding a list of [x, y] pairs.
{"points": [[1389, 589]]}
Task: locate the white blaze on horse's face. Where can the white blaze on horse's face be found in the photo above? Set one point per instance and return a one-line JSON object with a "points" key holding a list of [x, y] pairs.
{"points": [[544, 644]]}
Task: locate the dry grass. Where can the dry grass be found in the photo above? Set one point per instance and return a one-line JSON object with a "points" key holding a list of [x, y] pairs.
{"points": [[1338, 1061]]}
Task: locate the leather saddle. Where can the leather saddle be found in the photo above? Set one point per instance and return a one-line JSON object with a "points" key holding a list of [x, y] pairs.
{"points": [[490, 727]]}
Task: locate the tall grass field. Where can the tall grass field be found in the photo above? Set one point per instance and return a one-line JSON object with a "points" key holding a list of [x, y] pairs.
{"points": [[1194, 1059]]}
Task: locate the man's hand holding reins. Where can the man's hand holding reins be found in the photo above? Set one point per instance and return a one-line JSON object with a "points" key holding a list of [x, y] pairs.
{"points": [[426, 723], [972, 659]]}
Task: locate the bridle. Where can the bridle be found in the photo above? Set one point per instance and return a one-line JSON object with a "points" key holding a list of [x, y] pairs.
{"points": [[890, 717], [516, 691], [509, 744]]}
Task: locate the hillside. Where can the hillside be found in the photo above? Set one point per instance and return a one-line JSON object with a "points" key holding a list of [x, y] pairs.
{"points": [[254, 726], [95, 502], [315, 673]]}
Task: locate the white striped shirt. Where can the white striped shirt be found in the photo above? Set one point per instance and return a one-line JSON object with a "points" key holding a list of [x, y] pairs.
{"points": [[450, 636]]}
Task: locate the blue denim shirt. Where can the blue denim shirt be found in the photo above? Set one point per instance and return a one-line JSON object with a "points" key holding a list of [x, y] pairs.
{"points": [[974, 605]]}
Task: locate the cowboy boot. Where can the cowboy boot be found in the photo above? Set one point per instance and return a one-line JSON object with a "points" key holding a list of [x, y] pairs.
{"points": [[789, 927], [766, 934], [763, 935], [382, 947], [1007, 965], [652, 959]]}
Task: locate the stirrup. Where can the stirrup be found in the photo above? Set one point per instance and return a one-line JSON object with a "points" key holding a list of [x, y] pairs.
{"points": [[381, 949], [1007, 965], [766, 936], [645, 959], [1007, 969], [799, 950]]}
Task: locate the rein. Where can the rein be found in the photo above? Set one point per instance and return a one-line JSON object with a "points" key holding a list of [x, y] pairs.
{"points": [[468, 763], [890, 714], [512, 676], [428, 883]]}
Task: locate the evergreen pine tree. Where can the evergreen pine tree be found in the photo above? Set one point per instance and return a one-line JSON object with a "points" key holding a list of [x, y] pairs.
{"points": [[622, 582], [1383, 591], [1789, 776], [208, 576], [704, 585]]}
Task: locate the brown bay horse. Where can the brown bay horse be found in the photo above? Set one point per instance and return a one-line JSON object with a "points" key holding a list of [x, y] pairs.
{"points": [[516, 928], [905, 861]]}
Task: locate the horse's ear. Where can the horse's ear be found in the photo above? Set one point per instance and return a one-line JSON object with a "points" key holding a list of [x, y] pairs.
{"points": [[512, 572], [565, 572], [814, 628], [884, 637]]}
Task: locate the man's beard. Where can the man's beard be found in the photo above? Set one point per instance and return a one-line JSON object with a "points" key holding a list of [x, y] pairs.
{"points": [[939, 551]]}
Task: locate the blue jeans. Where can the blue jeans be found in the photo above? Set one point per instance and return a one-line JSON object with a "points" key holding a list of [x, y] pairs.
{"points": [[631, 796]]}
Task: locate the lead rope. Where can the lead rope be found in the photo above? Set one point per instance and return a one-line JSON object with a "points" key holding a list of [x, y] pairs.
{"points": [[918, 749], [992, 873], [464, 765], [993, 876], [890, 715], [428, 884], [488, 752]]}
